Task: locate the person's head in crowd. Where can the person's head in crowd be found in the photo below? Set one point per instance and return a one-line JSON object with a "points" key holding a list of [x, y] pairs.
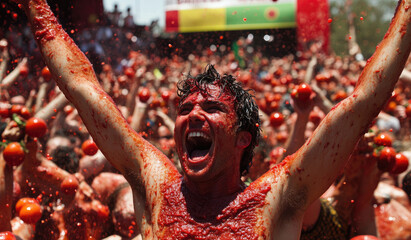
{"points": [[75, 136], [261, 162], [166, 140], [57, 141], [209, 83], [66, 158]]}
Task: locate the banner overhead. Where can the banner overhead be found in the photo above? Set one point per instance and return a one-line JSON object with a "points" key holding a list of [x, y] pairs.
{"points": [[230, 18]]}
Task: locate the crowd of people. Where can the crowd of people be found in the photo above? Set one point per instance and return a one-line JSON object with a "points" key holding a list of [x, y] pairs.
{"points": [[81, 194]]}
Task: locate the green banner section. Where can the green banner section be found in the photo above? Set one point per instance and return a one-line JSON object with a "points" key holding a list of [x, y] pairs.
{"points": [[278, 15]]}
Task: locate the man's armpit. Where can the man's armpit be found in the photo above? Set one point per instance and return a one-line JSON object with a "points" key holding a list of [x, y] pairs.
{"points": [[294, 203]]}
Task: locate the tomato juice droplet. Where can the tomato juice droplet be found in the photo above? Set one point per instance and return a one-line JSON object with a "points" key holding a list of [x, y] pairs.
{"points": [[330, 20]]}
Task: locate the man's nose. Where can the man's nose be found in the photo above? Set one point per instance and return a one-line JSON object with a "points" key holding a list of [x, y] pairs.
{"points": [[196, 115]]}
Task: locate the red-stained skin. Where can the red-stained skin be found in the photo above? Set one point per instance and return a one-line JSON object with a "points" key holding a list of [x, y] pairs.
{"points": [[42, 25], [186, 216], [219, 167], [190, 213], [200, 112]]}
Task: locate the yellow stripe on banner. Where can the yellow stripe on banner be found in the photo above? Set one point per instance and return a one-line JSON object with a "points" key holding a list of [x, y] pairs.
{"points": [[198, 20]]}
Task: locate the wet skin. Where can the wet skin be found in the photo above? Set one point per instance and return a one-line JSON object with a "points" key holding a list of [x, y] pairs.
{"points": [[274, 204], [215, 171]]}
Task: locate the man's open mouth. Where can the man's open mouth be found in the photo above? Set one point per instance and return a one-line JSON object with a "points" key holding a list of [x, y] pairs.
{"points": [[198, 145]]}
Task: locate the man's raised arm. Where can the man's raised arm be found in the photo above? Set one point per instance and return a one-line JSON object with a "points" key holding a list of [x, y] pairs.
{"points": [[127, 151], [318, 162]]}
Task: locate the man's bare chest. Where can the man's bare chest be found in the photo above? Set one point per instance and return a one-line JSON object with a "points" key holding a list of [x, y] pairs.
{"points": [[184, 216]]}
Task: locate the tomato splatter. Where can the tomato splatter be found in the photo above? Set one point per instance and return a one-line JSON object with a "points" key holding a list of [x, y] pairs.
{"points": [[185, 216]]}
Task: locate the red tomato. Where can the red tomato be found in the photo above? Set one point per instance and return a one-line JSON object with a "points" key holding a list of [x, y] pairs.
{"points": [[23, 201], [36, 127], [390, 107], [69, 185], [364, 237], [144, 94], [24, 71], [276, 119], [262, 104], [246, 78], [7, 236], [383, 139], [339, 96], [303, 92], [278, 97], [30, 213], [45, 72], [129, 72], [401, 164], [13, 154], [165, 95], [89, 147], [16, 109], [386, 159], [25, 112]]}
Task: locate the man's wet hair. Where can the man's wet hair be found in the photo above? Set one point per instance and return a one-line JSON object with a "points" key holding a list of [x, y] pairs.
{"points": [[245, 107]]}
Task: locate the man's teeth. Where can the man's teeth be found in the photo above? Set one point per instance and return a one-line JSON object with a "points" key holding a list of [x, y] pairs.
{"points": [[198, 134]]}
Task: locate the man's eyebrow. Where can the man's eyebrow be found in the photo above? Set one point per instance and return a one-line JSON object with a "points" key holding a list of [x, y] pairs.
{"points": [[212, 102], [185, 104]]}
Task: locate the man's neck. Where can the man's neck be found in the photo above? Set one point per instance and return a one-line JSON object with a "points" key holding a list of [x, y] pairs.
{"points": [[215, 189]]}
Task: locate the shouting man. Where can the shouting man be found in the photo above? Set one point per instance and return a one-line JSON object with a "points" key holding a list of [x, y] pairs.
{"points": [[215, 132]]}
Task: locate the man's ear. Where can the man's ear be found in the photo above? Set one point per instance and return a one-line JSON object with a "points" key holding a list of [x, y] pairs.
{"points": [[243, 139]]}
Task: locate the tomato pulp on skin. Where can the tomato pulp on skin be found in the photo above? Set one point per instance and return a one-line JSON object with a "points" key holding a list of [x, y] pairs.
{"points": [[212, 115], [185, 216]]}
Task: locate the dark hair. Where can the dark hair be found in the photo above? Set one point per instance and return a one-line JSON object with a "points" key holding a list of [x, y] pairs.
{"points": [[245, 107], [66, 158]]}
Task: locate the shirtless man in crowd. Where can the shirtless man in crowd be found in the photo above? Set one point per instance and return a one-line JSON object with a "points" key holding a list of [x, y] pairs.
{"points": [[216, 130]]}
